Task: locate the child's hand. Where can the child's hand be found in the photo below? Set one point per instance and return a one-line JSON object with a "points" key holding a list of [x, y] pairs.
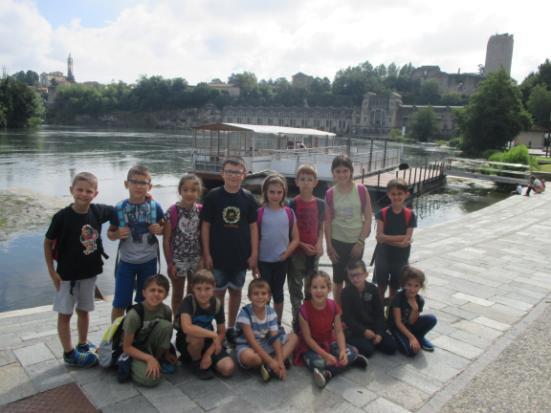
{"points": [[343, 358], [217, 345], [330, 359], [369, 334], [356, 251], [171, 358], [172, 272], [308, 249], [153, 369], [273, 364], [380, 238], [414, 344], [252, 262], [319, 249], [57, 280], [256, 272], [156, 229], [283, 257], [377, 339], [206, 362], [123, 232], [207, 261], [333, 256], [282, 370]]}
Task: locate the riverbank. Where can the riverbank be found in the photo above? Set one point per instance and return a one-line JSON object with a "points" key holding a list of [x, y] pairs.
{"points": [[486, 272]]}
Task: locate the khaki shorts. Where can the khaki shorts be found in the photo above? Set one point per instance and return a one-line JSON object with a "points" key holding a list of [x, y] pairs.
{"points": [[81, 296]]}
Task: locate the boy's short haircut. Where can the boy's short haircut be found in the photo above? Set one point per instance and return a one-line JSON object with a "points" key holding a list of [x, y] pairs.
{"points": [[158, 279], [342, 160], [260, 284], [412, 273], [353, 264], [398, 183], [203, 276], [235, 161], [138, 170], [307, 169], [86, 177]]}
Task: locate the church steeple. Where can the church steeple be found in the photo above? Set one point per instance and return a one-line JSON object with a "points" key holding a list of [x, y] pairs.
{"points": [[70, 74]]}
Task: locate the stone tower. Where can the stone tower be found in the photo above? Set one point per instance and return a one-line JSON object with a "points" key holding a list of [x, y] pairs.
{"points": [[499, 53], [70, 75]]}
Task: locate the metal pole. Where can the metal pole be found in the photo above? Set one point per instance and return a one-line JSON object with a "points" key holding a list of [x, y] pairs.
{"points": [[409, 177], [370, 156], [384, 154]]}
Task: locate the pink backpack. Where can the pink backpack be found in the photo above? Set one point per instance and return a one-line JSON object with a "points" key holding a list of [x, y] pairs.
{"points": [[330, 194]]}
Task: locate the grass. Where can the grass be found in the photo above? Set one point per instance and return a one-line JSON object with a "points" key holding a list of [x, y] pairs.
{"points": [[545, 167]]}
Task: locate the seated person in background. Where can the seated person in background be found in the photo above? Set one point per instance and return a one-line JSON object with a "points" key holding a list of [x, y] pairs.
{"points": [[535, 185]]}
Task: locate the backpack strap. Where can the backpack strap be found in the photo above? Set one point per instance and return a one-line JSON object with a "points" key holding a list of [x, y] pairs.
{"points": [[407, 215], [291, 219], [321, 210], [329, 195], [259, 215], [152, 210], [121, 213], [362, 192], [173, 212]]}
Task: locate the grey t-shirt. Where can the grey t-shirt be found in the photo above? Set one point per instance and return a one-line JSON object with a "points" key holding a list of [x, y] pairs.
{"points": [[274, 234]]}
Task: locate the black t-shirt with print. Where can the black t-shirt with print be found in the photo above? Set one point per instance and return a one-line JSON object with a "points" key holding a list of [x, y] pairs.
{"points": [[79, 242], [401, 301], [229, 215]]}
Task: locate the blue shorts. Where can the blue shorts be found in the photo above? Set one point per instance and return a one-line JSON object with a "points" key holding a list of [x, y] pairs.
{"points": [[129, 276], [229, 279]]}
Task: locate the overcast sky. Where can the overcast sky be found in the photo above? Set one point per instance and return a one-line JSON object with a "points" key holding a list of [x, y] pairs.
{"points": [[199, 40]]}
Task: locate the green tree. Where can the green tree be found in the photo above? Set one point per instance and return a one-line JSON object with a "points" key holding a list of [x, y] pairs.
{"points": [[424, 125], [20, 106], [493, 116], [429, 94], [539, 106], [246, 81]]}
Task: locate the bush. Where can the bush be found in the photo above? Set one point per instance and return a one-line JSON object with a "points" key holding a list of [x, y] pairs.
{"points": [[517, 154], [456, 142]]}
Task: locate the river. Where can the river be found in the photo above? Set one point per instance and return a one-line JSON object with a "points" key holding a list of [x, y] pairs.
{"points": [[36, 170]]}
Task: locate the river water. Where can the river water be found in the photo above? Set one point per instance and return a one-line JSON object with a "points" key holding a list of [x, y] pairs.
{"points": [[42, 163]]}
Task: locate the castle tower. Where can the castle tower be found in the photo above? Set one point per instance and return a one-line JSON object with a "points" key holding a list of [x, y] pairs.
{"points": [[499, 53], [70, 75]]}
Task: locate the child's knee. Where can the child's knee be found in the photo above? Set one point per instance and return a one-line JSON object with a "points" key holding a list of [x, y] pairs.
{"points": [[248, 358], [225, 367]]}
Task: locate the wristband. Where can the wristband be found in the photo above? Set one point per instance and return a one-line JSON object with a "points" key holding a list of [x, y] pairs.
{"points": [[361, 241]]}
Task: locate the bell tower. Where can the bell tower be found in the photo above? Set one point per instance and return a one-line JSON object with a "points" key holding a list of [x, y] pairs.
{"points": [[70, 75]]}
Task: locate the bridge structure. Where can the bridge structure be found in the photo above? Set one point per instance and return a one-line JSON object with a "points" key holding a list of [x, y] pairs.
{"points": [[498, 172]]}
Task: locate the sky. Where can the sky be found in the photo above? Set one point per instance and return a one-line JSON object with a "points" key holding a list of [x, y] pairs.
{"points": [[199, 40]]}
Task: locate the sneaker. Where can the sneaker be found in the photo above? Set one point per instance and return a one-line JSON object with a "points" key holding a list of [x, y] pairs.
{"points": [[426, 344], [265, 373], [77, 359], [167, 368], [202, 374], [231, 336], [361, 361], [86, 348], [296, 326], [322, 378]]}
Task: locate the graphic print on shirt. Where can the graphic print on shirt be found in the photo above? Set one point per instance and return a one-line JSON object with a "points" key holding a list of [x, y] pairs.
{"points": [[88, 237], [138, 217], [231, 215]]}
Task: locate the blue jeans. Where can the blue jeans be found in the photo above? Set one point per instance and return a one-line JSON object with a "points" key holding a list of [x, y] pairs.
{"points": [[129, 275], [422, 326], [314, 361], [366, 347], [234, 279]]}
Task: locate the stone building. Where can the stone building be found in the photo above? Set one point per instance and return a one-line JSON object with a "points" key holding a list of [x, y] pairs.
{"points": [[463, 84], [499, 53]]}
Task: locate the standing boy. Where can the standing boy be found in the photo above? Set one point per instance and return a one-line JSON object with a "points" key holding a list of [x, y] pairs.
{"points": [[309, 212], [75, 234], [136, 222], [229, 235], [395, 225], [362, 312]]}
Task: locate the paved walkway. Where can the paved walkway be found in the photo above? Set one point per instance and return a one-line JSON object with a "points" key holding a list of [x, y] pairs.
{"points": [[486, 273]]}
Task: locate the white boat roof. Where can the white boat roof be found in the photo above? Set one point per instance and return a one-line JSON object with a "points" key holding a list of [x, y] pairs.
{"points": [[266, 129]]}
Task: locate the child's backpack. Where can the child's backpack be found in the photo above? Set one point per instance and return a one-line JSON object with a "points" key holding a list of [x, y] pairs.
{"points": [[290, 217], [110, 347], [330, 195], [176, 323]]}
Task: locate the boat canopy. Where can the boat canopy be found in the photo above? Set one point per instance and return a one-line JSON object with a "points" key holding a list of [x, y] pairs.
{"points": [[263, 129]]}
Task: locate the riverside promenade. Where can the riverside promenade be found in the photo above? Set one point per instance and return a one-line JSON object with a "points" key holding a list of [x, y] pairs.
{"points": [[488, 278]]}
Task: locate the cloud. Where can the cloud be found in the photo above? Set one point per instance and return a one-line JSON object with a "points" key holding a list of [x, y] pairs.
{"points": [[201, 40]]}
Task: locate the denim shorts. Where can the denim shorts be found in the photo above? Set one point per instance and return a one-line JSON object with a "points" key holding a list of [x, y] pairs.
{"points": [[234, 279]]}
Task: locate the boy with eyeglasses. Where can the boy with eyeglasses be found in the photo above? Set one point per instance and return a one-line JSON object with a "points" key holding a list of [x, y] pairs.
{"points": [[229, 236], [136, 223]]}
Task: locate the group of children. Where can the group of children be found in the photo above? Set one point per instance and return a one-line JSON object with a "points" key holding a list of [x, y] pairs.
{"points": [[212, 245]]}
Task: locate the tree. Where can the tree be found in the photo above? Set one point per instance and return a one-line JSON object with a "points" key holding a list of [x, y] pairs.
{"points": [[246, 82], [539, 106], [20, 106], [429, 94], [424, 125], [493, 116]]}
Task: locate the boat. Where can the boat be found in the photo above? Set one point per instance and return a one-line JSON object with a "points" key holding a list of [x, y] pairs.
{"points": [[266, 148]]}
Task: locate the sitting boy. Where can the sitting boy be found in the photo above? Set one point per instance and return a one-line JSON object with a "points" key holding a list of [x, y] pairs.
{"points": [[362, 312], [260, 343], [147, 340], [196, 339]]}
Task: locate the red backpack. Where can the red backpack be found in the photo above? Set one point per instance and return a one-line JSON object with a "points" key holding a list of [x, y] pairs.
{"points": [[330, 194], [407, 214]]}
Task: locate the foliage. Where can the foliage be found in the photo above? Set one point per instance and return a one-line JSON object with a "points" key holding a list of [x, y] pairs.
{"points": [[20, 105], [493, 116], [424, 125], [539, 106], [541, 77], [30, 77], [517, 154], [456, 142]]}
